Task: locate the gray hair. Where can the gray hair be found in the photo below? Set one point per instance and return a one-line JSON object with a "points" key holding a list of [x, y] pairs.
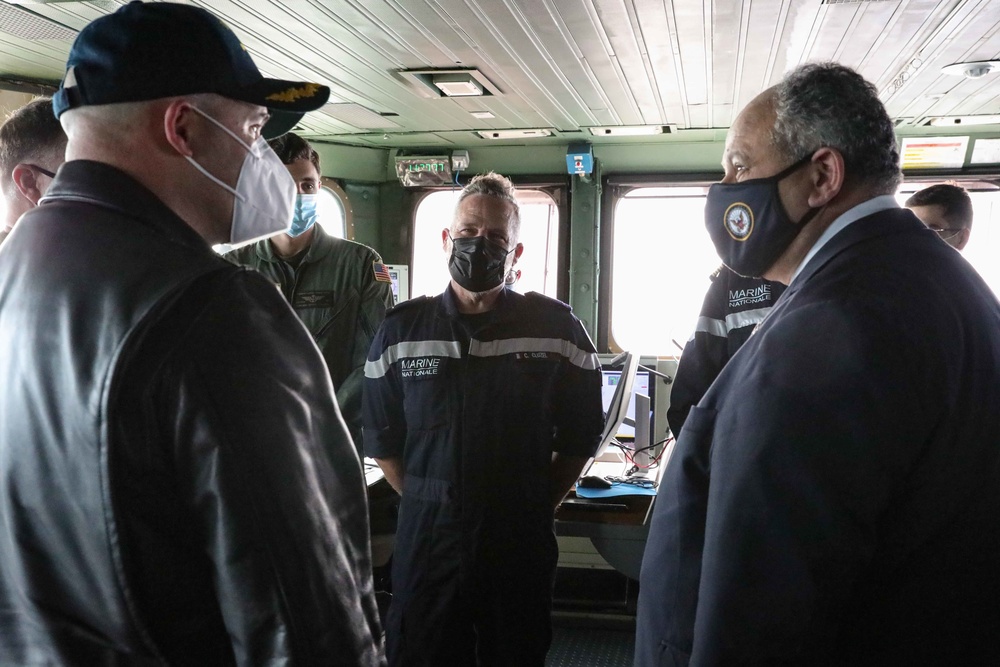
{"points": [[499, 187], [829, 105]]}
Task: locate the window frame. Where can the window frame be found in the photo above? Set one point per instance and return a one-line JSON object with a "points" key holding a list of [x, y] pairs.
{"points": [[345, 204], [618, 186], [615, 188]]}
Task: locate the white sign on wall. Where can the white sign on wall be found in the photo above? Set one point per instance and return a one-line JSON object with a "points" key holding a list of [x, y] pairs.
{"points": [[400, 274]]}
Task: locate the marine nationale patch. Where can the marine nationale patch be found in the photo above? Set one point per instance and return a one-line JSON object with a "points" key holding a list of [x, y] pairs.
{"points": [[413, 368], [738, 220], [381, 272]]}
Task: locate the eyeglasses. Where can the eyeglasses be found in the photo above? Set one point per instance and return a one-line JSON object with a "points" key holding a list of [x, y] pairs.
{"points": [[41, 170], [946, 232]]}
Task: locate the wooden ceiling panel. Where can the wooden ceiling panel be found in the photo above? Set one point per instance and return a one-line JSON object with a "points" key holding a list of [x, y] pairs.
{"points": [[569, 65], [628, 53], [967, 33], [655, 24], [763, 30], [572, 54], [618, 105], [561, 66], [24, 59], [690, 26], [834, 23], [726, 53], [73, 15]]}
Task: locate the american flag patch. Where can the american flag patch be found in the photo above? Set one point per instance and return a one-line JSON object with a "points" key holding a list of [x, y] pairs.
{"points": [[381, 272]]}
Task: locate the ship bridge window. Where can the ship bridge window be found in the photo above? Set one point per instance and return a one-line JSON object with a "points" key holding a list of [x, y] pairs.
{"points": [[662, 258], [330, 211], [661, 261], [539, 235]]}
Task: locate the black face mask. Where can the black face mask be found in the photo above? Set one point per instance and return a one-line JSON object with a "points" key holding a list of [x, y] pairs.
{"points": [[748, 224], [476, 263]]}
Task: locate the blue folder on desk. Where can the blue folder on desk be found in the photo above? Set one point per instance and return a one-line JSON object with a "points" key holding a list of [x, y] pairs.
{"points": [[615, 491]]}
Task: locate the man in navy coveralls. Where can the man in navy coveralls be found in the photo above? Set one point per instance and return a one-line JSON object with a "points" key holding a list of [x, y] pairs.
{"points": [[482, 406]]}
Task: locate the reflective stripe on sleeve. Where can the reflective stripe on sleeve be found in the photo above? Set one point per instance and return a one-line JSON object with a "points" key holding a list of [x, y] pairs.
{"points": [[495, 348], [746, 318], [721, 328], [711, 326], [407, 349]]}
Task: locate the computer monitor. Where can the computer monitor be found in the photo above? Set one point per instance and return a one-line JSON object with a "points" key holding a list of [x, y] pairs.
{"points": [[643, 384], [618, 384]]}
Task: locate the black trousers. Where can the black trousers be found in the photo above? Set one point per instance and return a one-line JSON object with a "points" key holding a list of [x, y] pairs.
{"points": [[501, 618]]}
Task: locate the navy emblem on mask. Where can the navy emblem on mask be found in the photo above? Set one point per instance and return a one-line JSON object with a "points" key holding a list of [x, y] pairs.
{"points": [[739, 221], [764, 217]]}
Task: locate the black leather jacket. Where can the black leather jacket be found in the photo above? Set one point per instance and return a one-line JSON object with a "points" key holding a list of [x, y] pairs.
{"points": [[176, 483]]}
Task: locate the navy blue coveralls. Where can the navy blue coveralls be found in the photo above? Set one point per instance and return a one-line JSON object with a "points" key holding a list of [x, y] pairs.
{"points": [[475, 406], [732, 309]]}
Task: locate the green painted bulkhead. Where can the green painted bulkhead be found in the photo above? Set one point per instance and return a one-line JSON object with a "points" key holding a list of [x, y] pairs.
{"points": [[382, 210]]}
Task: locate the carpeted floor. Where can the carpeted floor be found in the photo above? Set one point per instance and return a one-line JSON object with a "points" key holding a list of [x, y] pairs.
{"points": [[590, 647]]}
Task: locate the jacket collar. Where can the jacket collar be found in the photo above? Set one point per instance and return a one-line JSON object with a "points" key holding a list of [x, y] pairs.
{"points": [[881, 223], [506, 303], [107, 186], [320, 246]]}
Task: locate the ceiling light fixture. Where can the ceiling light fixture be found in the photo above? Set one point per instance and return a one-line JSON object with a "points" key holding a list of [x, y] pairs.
{"points": [[964, 121], [972, 70], [515, 134], [629, 130], [457, 85], [438, 83]]}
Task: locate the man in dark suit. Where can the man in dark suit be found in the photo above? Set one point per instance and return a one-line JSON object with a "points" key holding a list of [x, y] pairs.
{"points": [[835, 496]]}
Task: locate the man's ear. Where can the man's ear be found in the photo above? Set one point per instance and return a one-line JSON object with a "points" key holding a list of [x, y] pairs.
{"points": [[26, 182], [827, 175], [962, 238], [178, 120], [518, 249], [444, 238]]}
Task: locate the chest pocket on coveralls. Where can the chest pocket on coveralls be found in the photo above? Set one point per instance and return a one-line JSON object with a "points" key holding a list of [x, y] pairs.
{"points": [[531, 385], [426, 382]]}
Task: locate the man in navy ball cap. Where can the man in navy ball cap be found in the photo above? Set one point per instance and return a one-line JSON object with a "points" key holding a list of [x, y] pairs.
{"points": [[148, 51], [177, 485]]}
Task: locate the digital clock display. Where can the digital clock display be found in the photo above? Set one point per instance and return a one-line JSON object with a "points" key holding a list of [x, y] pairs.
{"points": [[417, 171]]}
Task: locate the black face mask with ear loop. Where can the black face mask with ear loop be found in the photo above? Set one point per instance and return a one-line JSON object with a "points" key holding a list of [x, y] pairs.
{"points": [[749, 225], [476, 263]]}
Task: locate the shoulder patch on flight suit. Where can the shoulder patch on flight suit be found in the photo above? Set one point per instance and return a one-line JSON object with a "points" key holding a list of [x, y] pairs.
{"points": [[381, 272]]}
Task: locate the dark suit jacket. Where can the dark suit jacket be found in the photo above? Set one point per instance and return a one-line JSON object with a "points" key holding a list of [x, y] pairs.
{"points": [[835, 497]]}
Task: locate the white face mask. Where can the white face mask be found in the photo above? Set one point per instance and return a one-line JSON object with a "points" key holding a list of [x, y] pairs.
{"points": [[265, 191]]}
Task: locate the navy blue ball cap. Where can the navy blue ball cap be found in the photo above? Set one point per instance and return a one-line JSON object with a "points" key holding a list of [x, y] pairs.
{"points": [[147, 51]]}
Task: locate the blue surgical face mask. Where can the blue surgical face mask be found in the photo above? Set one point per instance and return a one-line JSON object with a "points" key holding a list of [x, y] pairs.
{"points": [[305, 214]]}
